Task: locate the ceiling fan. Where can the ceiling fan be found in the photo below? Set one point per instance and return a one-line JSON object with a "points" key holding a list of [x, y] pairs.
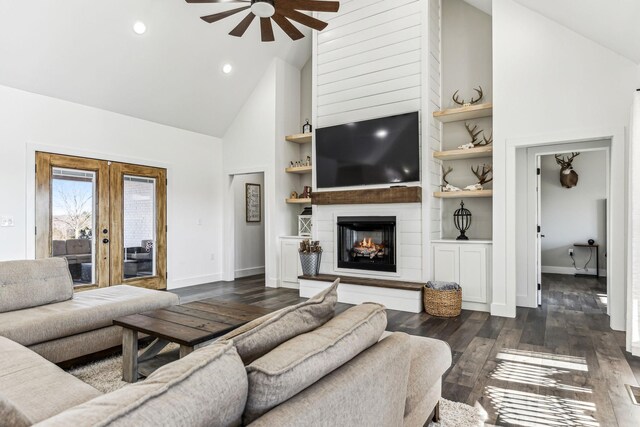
{"points": [[281, 11]]}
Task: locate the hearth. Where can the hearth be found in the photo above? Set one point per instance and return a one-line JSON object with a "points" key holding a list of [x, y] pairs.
{"points": [[367, 243]]}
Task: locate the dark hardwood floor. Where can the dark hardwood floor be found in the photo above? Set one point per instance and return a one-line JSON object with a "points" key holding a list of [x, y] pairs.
{"points": [[558, 365]]}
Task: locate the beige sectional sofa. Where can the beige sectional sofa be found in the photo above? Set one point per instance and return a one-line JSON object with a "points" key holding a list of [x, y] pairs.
{"points": [[39, 309], [300, 366]]}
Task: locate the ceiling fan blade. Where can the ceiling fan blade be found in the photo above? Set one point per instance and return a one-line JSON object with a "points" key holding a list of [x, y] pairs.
{"points": [[218, 1], [267, 30], [243, 26], [288, 27], [310, 5], [218, 16], [303, 19]]}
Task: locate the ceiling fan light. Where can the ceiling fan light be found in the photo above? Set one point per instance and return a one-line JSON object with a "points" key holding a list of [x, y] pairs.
{"points": [[263, 8]]}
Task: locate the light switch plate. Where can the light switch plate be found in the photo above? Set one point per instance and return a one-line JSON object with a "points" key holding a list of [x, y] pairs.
{"points": [[7, 221]]}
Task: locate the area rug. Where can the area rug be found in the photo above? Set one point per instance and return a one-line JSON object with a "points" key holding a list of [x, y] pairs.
{"points": [[106, 376], [456, 414]]}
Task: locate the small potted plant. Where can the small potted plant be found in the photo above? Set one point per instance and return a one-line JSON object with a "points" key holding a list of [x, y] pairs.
{"points": [[310, 257]]}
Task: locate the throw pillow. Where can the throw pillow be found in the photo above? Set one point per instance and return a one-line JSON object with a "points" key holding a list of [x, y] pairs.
{"points": [[12, 416], [206, 388], [300, 362], [257, 338], [26, 284]]}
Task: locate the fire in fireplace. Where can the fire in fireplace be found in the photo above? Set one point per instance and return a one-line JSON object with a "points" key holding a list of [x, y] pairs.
{"points": [[367, 243]]}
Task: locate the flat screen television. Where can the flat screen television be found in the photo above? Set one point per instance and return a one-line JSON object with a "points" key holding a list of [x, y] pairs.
{"points": [[373, 152]]}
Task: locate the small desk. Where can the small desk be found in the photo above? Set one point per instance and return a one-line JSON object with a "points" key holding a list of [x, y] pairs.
{"points": [[597, 248]]}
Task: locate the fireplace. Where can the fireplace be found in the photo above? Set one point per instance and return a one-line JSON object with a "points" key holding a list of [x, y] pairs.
{"points": [[367, 243]]}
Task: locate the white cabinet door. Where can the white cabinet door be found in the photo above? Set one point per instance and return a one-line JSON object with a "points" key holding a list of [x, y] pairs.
{"points": [[446, 263], [473, 273], [290, 262]]}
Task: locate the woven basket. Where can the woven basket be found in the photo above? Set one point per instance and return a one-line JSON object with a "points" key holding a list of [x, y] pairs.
{"points": [[442, 303]]}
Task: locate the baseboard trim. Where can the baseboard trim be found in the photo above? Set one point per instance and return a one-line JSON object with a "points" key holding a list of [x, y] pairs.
{"points": [[251, 271], [551, 269], [193, 281]]}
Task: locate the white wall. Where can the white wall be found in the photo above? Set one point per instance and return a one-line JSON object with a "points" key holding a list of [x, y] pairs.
{"points": [[306, 92], [369, 61], [31, 121], [249, 236], [432, 131], [573, 215], [255, 143], [466, 64], [550, 85]]}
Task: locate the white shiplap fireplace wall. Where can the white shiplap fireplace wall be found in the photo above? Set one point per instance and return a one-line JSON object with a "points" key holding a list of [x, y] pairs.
{"points": [[380, 58]]}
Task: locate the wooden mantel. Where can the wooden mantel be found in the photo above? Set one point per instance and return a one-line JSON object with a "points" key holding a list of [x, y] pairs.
{"points": [[366, 197]]}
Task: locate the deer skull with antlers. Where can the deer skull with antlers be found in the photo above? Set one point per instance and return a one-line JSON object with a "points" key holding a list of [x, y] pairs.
{"points": [[568, 177], [474, 133], [446, 187], [483, 177], [473, 101]]}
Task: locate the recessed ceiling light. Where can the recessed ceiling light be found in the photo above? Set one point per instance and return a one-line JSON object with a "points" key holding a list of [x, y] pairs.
{"points": [[139, 28], [227, 68]]}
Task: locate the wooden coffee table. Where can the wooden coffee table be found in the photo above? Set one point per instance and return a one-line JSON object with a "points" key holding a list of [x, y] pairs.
{"points": [[190, 325]]}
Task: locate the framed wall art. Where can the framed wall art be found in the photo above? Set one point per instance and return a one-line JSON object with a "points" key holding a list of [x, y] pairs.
{"points": [[254, 202]]}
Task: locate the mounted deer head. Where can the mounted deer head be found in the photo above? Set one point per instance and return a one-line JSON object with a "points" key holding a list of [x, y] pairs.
{"points": [[568, 177], [464, 103]]}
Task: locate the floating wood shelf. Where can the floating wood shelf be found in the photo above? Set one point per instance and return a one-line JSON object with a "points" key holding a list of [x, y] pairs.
{"points": [[471, 153], [363, 197], [463, 194], [302, 170], [299, 201], [464, 113], [301, 138]]}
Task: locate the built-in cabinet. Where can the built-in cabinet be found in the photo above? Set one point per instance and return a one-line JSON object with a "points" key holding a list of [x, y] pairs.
{"points": [[290, 267], [466, 263]]}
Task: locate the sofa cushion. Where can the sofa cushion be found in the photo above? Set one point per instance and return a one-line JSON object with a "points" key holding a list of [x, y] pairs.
{"points": [[430, 359], [87, 311], [25, 284], [370, 390], [79, 246], [206, 388], [58, 247], [298, 363], [37, 387], [262, 335], [12, 416]]}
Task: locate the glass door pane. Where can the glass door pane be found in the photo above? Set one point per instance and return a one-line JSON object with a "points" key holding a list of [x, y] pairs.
{"points": [[139, 227], [73, 221]]}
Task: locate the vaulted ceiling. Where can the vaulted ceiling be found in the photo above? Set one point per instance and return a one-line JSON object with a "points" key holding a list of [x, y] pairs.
{"points": [[615, 24], [86, 52]]}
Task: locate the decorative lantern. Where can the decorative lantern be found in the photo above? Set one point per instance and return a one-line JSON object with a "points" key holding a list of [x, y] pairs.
{"points": [[305, 223], [307, 128], [462, 221]]}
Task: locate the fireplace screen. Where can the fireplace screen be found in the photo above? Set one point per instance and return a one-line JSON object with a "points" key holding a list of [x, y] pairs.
{"points": [[367, 243]]}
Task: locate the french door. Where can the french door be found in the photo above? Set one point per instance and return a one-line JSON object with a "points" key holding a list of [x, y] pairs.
{"points": [[107, 219]]}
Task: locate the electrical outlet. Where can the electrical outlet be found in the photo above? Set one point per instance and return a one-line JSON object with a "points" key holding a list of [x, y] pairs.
{"points": [[570, 252], [7, 221]]}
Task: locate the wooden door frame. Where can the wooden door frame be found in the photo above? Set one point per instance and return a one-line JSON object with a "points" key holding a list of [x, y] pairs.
{"points": [[45, 162], [117, 171]]}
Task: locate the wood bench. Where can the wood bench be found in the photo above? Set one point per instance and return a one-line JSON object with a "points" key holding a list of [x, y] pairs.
{"points": [[395, 295]]}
